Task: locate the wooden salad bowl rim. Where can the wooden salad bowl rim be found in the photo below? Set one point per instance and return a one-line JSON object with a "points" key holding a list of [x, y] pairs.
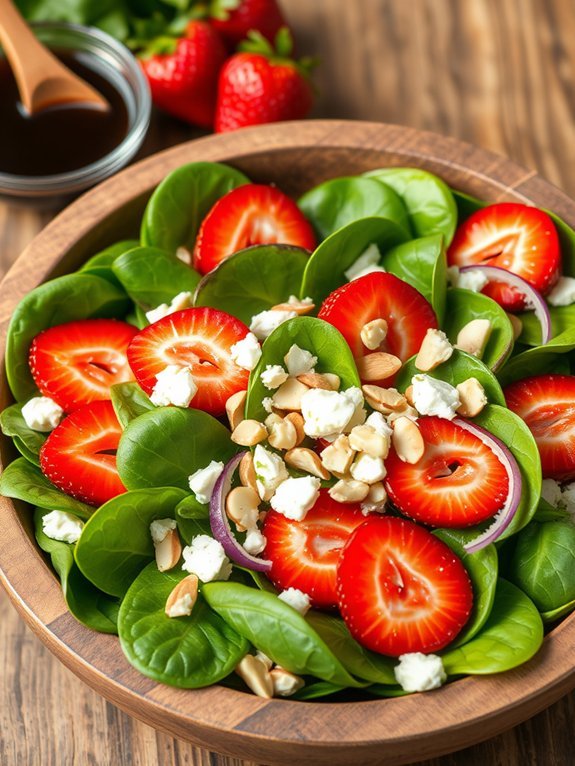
{"points": [[390, 731]]}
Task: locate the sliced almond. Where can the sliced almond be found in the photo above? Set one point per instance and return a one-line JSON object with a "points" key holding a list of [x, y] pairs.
{"points": [[377, 494], [516, 324], [184, 255], [349, 491], [384, 400], [473, 337], [235, 407], [298, 423], [435, 349], [327, 380], [288, 395], [282, 435], [242, 507], [168, 551], [409, 395], [366, 439], [407, 440], [407, 412], [338, 457], [285, 683], [373, 334], [306, 460], [472, 397], [249, 433], [182, 598], [300, 307], [272, 419], [377, 366], [247, 472], [254, 672]]}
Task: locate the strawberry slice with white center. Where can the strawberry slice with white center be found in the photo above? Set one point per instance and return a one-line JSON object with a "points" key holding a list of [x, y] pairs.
{"points": [[547, 405], [77, 362], [79, 456], [380, 296], [458, 482], [304, 554], [199, 339], [253, 214], [401, 589], [515, 237]]}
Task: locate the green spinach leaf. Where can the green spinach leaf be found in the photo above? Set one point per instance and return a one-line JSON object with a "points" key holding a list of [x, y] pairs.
{"points": [[539, 360], [556, 614], [192, 518], [26, 440], [101, 263], [129, 401], [562, 320]]}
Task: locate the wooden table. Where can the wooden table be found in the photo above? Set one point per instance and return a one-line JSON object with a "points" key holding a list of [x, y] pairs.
{"points": [[497, 73]]}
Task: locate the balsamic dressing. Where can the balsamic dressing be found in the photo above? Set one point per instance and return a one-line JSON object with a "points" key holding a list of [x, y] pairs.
{"points": [[63, 138]]}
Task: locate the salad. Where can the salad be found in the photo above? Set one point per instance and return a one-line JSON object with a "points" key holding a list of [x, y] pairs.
{"points": [[307, 449]]}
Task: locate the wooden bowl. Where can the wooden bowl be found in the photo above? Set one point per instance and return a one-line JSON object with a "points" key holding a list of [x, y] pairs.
{"points": [[296, 156]]}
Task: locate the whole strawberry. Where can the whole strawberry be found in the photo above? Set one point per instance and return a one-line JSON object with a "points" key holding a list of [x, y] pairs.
{"points": [[263, 84], [183, 73], [235, 18]]}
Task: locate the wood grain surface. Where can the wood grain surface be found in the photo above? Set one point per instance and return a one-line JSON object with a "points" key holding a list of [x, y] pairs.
{"points": [[498, 74]]}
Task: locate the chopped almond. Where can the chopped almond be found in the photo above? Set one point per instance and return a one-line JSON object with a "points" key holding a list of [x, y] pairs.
{"points": [[474, 337], [235, 407], [434, 350], [288, 395], [407, 440], [472, 397], [307, 460], [242, 507], [384, 400], [349, 491], [249, 433], [182, 598], [365, 439], [377, 366], [327, 380], [338, 457], [256, 675], [247, 471], [300, 308], [298, 423], [168, 551], [282, 435], [373, 334]]}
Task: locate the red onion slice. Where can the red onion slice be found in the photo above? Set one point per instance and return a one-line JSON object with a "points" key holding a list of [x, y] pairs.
{"points": [[220, 525], [533, 298], [505, 515]]}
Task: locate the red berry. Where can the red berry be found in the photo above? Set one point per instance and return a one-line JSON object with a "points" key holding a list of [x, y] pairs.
{"points": [[264, 16]]}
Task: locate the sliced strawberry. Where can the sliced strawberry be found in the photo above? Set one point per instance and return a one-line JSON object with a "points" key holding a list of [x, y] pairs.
{"points": [[250, 215], [77, 362], [304, 554], [400, 589], [547, 405], [380, 296], [79, 456], [199, 339], [515, 237], [458, 482]]}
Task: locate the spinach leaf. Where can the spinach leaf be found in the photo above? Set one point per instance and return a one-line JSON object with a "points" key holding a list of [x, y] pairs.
{"points": [[465, 305], [466, 204], [482, 567], [422, 264], [543, 565], [338, 202], [129, 401], [26, 482], [161, 448], [74, 296], [180, 203], [317, 690], [325, 269], [116, 543], [26, 440], [151, 276], [89, 606], [314, 335], [512, 635], [253, 280], [101, 263], [428, 200], [556, 614], [458, 368], [562, 320], [379, 690], [536, 361], [277, 630], [188, 652], [192, 518]]}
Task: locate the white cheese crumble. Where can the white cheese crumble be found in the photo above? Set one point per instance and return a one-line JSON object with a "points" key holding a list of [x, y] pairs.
{"points": [[299, 361], [435, 349], [419, 672], [273, 376], [184, 255], [255, 542], [42, 413], [62, 526], [563, 293], [246, 353], [203, 481], [295, 497], [434, 397], [206, 558], [264, 323], [568, 499], [159, 528], [474, 279], [379, 424], [293, 300], [364, 264], [182, 607], [296, 598], [174, 385], [270, 471], [180, 301], [326, 413], [267, 404], [551, 491], [368, 469]]}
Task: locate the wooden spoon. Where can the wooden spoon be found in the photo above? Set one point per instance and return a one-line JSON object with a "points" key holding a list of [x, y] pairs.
{"points": [[42, 80]]}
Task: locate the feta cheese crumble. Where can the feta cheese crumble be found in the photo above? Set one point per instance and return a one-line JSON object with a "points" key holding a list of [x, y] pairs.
{"points": [[273, 376], [255, 542], [326, 413], [434, 397], [206, 558], [563, 293], [296, 598], [62, 526], [551, 491], [293, 300], [366, 263], [368, 469], [299, 361], [182, 607], [180, 301], [267, 404], [159, 528], [270, 471], [473, 279], [42, 413], [379, 424], [203, 481], [174, 385], [246, 353], [295, 497], [264, 323], [568, 499], [419, 672]]}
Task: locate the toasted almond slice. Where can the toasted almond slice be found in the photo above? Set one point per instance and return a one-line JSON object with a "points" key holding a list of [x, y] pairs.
{"points": [[249, 433], [377, 494], [285, 683], [327, 380], [407, 412], [235, 407], [282, 435], [300, 307], [182, 598], [184, 254], [242, 507], [516, 324], [307, 460], [472, 397], [349, 491], [384, 400], [473, 337], [435, 349], [377, 366], [254, 672], [288, 395], [409, 395], [338, 457], [168, 551], [373, 334], [407, 440], [272, 419], [247, 472], [298, 423], [365, 439]]}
